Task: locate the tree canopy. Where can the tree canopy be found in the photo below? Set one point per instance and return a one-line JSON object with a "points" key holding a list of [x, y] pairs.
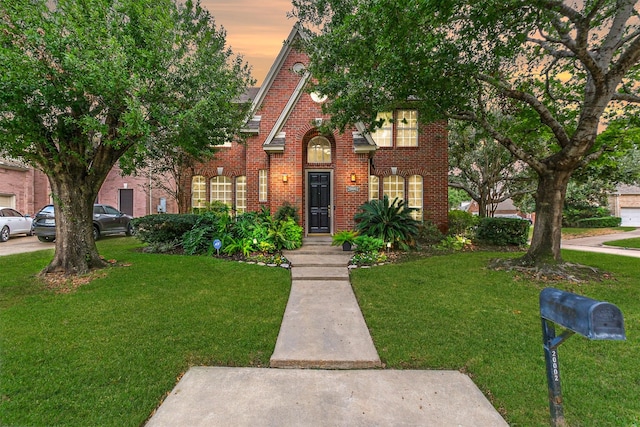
{"points": [[85, 83], [559, 70]]}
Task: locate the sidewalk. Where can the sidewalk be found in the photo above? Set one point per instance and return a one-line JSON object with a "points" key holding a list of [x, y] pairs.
{"points": [[332, 375], [596, 244]]}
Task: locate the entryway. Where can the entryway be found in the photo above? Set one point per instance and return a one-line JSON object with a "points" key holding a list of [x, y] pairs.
{"points": [[319, 196]]}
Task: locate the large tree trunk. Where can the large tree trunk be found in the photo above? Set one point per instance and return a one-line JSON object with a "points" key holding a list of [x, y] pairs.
{"points": [[76, 251], [547, 233]]}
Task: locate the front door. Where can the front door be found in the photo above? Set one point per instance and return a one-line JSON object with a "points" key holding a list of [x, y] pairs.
{"points": [[319, 202]]}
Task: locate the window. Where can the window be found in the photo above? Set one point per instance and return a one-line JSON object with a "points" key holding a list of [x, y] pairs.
{"points": [[241, 194], [262, 175], [198, 191], [384, 136], [221, 189], [405, 133], [393, 186], [319, 150], [374, 187], [415, 196]]}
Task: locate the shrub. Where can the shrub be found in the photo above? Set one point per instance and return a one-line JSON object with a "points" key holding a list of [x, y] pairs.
{"points": [[571, 215], [344, 236], [454, 243], [209, 226], [461, 223], [429, 233], [609, 221], [503, 231], [286, 211], [366, 244], [163, 228], [285, 234], [389, 222]]}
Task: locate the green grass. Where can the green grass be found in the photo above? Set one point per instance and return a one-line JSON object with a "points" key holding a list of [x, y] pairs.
{"points": [[109, 352], [450, 312], [625, 243], [586, 232]]}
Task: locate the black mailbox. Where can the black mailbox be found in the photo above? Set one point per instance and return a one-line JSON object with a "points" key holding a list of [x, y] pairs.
{"points": [[596, 320]]}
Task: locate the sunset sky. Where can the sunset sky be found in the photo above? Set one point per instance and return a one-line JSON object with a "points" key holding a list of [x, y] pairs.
{"points": [[255, 29]]}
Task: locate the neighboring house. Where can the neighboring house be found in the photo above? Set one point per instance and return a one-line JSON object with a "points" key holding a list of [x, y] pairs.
{"points": [[22, 187], [503, 209], [285, 158], [625, 203], [27, 190]]}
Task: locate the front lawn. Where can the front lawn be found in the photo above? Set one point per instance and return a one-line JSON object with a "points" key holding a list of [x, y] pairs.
{"points": [[107, 353], [574, 233], [625, 243], [451, 312]]}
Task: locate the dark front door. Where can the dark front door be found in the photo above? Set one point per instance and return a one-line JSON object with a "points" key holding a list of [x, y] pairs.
{"points": [[319, 202]]}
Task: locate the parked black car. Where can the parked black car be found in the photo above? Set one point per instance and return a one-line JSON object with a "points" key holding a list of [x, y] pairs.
{"points": [[106, 220]]}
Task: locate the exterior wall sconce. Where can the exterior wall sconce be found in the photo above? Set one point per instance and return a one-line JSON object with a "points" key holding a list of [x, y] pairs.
{"points": [[220, 170], [353, 177], [285, 177], [394, 170]]}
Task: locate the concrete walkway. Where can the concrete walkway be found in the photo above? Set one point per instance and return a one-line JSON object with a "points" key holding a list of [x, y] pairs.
{"points": [[596, 244], [323, 328]]}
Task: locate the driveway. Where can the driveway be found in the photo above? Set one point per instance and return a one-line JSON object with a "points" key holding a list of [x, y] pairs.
{"points": [[596, 244], [22, 244]]}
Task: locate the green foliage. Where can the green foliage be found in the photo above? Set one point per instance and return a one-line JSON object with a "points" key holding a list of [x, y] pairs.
{"points": [[286, 211], [454, 243], [573, 214], [368, 244], [603, 222], [285, 234], [503, 231], [209, 226], [390, 222], [162, 228], [368, 258], [457, 197], [344, 236], [429, 233], [217, 207], [462, 223]]}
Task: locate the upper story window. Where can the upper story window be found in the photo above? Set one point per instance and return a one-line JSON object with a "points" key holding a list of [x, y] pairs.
{"points": [[319, 150], [399, 129]]}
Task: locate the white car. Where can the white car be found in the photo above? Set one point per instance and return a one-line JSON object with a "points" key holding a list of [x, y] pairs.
{"points": [[13, 222]]}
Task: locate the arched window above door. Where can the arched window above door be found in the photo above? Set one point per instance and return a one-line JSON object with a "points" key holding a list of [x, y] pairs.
{"points": [[319, 150]]}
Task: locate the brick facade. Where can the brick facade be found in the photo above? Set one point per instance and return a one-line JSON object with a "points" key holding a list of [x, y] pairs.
{"points": [[289, 113]]}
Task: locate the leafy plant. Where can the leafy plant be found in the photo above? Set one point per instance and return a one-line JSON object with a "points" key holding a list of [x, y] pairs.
{"points": [[390, 222], [286, 211], [285, 234], [366, 244], [344, 236], [454, 243], [461, 223]]}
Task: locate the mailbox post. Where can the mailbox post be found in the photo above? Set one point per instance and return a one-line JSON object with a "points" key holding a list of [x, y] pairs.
{"points": [[596, 320]]}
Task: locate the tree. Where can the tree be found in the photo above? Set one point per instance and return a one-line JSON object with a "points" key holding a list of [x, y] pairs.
{"points": [[486, 171], [561, 68], [85, 83]]}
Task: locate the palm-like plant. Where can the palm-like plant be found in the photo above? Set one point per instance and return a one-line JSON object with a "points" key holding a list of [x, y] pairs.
{"points": [[391, 222]]}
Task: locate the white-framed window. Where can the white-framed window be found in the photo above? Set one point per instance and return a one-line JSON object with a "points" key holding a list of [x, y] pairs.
{"points": [[406, 128], [198, 191], [392, 187], [374, 187], [221, 189], [241, 194], [415, 196], [319, 150], [383, 136], [399, 129], [263, 185]]}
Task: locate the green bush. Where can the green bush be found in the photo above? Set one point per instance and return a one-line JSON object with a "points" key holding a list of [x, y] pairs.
{"points": [[461, 223], [503, 231], [286, 211], [163, 228], [429, 233], [285, 234], [609, 221], [571, 215], [365, 244], [209, 226], [391, 222]]}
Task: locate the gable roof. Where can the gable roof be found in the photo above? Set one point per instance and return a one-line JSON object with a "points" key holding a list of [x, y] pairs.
{"points": [[275, 140]]}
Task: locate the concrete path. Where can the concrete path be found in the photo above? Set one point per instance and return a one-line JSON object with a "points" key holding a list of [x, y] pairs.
{"points": [[323, 328], [322, 325], [596, 244]]}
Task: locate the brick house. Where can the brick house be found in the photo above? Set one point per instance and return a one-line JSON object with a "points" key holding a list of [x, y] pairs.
{"points": [[327, 177]]}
